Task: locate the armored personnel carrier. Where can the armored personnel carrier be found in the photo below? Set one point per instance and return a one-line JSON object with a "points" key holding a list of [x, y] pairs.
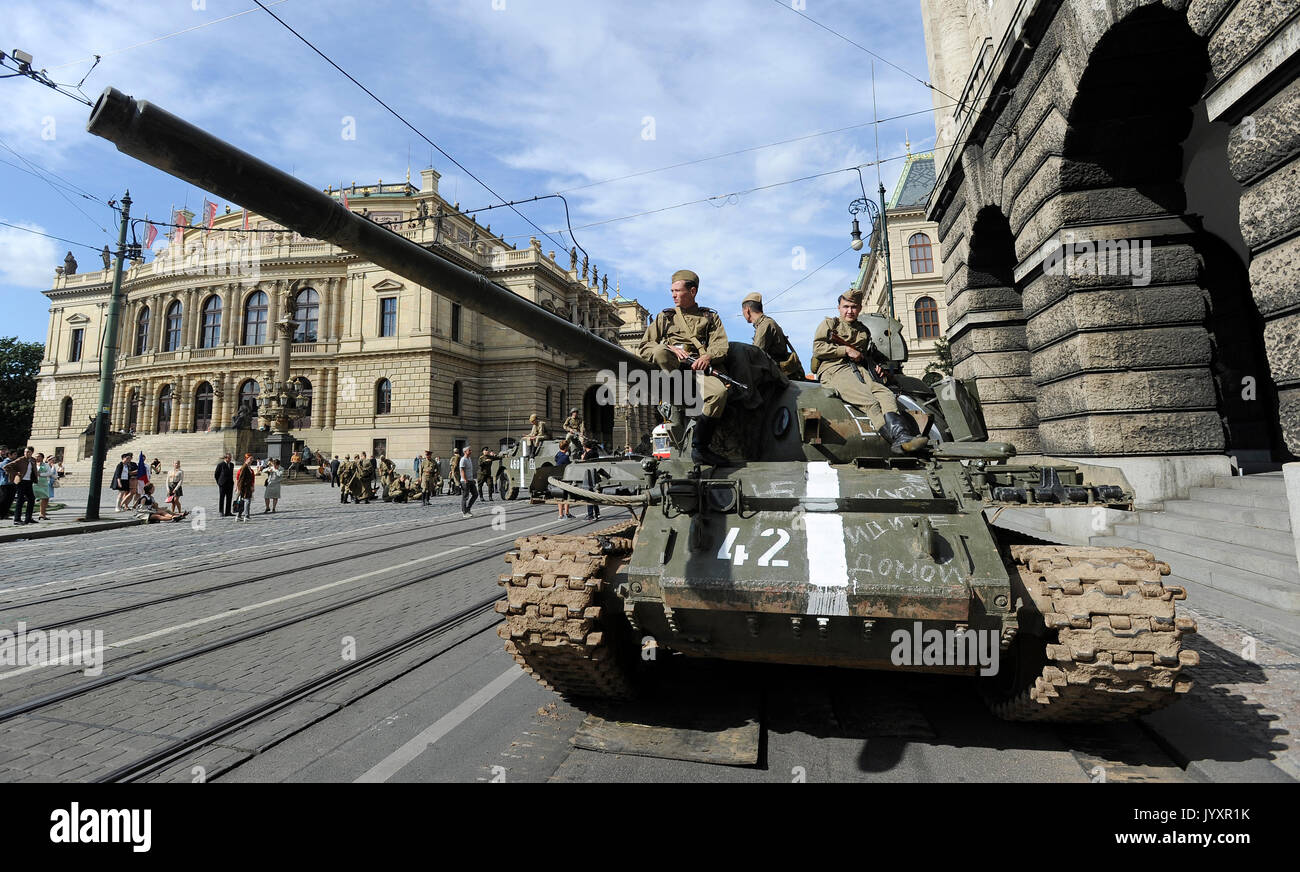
{"points": [[812, 545]]}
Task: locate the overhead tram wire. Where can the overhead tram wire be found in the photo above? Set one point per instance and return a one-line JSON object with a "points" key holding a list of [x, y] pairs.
{"points": [[56, 190], [48, 236], [107, 54], [411, 126], [880, 58]]}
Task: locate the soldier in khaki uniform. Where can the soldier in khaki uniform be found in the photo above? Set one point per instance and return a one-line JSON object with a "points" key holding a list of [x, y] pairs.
{"points": [[485, 481], [362, 481], [536, 436], [428, 477], [347, 470], [679, 332], [769, 336], [575, 433], [843, 365]]}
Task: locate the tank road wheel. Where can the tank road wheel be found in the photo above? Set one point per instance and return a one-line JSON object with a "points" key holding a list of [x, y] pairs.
{"points": [[562, 624], [1109, 647], [539, 488]]}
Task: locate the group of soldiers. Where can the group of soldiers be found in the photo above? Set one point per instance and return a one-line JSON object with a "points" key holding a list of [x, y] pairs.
{"points": [[362, 479], [691, 335]]}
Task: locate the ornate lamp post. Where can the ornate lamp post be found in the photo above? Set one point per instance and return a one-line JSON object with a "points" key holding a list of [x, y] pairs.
{"points": [[279, 404], [875, 214]]}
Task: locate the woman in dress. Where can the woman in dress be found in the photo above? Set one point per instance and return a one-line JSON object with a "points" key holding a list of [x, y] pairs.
{"points": [[271, 489], [245, 478], [41, 486], [175, 479]]}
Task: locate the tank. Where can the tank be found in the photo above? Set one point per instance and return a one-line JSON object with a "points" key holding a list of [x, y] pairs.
{"points": [[812, 545]]}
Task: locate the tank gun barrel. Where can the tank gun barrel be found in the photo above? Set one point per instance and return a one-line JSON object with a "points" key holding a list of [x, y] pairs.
{"points": [[162, 140]]}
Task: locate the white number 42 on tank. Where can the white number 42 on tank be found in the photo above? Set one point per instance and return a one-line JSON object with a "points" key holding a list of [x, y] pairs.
{"points": [[738, 555]]}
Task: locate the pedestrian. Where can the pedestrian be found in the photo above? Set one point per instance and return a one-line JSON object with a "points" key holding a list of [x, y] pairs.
{"points": [[561, 461], [175, 479], [6, 486], [295, 464], [244, 481], [22, 472], [156, 466], [271, 486], [43, 488], [224, 475], [590, 452], [334, 471], [416, 464], [627, 450], [468, 493]]}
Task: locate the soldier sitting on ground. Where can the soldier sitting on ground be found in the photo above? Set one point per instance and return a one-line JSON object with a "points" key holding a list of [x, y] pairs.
{"points": [[841, 360]]}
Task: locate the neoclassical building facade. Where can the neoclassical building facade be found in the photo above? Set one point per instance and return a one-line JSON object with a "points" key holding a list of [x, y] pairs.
{"points": [[915, 266], [388, 365]]}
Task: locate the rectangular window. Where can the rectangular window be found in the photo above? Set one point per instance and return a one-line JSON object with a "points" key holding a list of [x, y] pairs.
{"points": [[388, 316], [378, 447], [78, 337], [455, 322]]}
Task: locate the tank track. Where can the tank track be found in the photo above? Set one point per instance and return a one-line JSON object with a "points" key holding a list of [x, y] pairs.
{"points": [[555, 627], [1117, 650]]}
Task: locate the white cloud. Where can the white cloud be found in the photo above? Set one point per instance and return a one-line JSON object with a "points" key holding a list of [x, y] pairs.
{"points": [[28, 260]]}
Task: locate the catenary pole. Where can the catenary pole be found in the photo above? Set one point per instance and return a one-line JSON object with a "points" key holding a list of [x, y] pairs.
{"points": [[107, 361]]}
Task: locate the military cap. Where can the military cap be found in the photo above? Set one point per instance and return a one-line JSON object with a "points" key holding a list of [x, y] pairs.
{"points": [[853, 295], [532, 417], [753, 298], [686, 275]]}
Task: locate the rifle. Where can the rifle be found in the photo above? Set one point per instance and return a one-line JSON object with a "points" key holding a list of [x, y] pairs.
{"points": [[839, 340], [709, 370]]}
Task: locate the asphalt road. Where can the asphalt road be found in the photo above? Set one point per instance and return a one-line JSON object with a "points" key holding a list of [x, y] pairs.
{"points": [[202, 622]]}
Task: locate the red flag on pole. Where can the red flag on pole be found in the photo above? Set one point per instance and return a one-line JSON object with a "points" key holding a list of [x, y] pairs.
{"points": [[245, 219], [150, 235], [345, 197], [179, 219], [209, 213]]}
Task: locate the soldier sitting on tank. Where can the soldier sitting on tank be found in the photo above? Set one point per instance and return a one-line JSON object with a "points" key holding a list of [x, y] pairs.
{"points": [[841, 357], [769, 337], [536, 436], [680, 332], [574, 431]]}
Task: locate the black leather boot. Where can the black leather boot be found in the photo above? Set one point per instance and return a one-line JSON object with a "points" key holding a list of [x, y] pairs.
{"points": [[900, 431], [702, 435]]}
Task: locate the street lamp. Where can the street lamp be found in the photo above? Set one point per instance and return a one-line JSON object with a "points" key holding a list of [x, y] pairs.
{"points": [[875, 214]]}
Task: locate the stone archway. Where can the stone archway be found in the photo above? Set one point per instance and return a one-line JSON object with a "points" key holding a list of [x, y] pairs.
{"points": [[599, 418]]}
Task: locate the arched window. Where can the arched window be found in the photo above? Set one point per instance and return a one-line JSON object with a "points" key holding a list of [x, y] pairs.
{"points": [[172, 338], [307, 314], [211, 323], [203, 408], [142, 331], [303, 421], [255, 319], [927, 318], [455, 398], [383, 397], [548, 404], [918, 245], [164, 410], [248, 393], [564, 407], [67, 412]]}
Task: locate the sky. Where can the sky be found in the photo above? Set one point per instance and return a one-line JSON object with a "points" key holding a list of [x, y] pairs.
{"points": [[531, 96]]}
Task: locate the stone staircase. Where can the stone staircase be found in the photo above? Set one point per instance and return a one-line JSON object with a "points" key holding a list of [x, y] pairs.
{"points": [[1235, 537], [197, 452]]}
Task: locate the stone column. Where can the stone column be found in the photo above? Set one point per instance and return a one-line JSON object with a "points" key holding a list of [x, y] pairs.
{"points": [[219, 399], [181, 420], [331, 398], [229, 316], [318, 394], [147, 413], [274, 293], [157, 322]]}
